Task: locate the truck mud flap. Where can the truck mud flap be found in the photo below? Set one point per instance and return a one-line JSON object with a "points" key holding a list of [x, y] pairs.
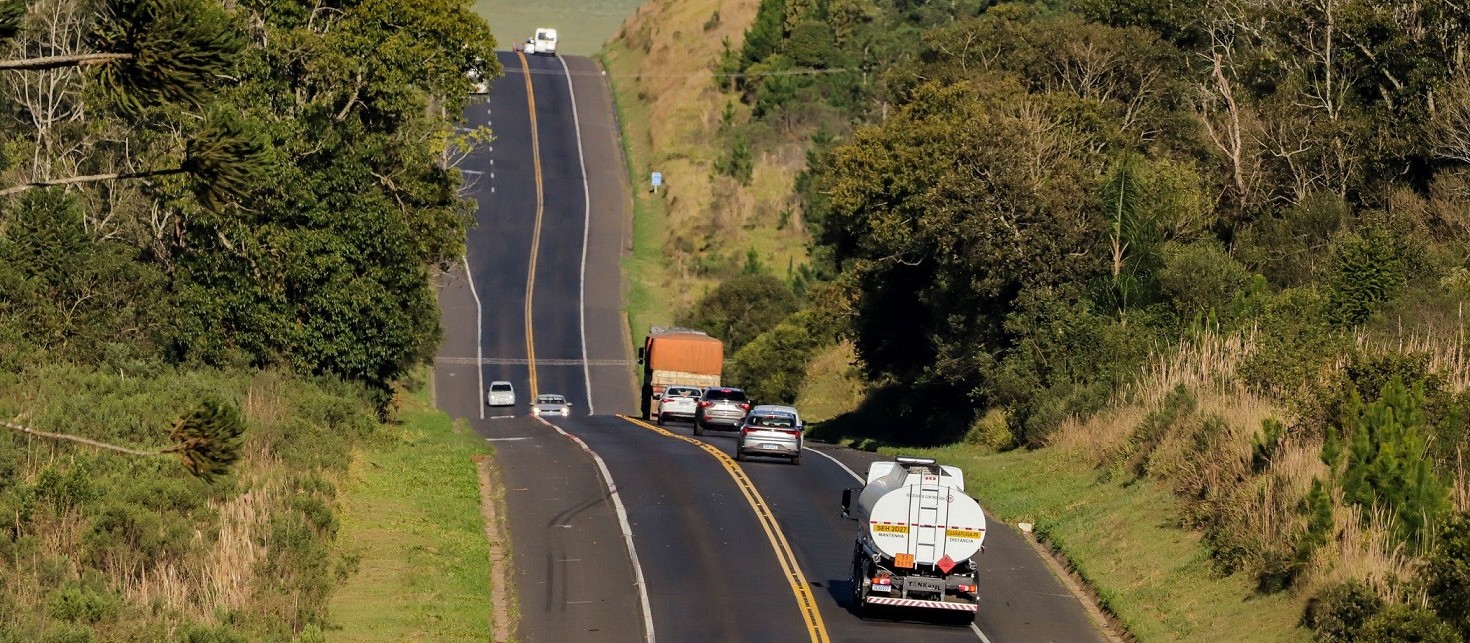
{"points": [[966, 606]]}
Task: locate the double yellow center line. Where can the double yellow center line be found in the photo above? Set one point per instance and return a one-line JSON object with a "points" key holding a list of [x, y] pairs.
{"points": [[806, 603], [536, 230]]}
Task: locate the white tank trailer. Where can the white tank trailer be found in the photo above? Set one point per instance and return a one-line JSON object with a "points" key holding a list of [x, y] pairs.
{"points": [[918, 534]]}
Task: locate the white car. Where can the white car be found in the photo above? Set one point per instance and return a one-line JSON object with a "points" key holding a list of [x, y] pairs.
{"points": [[530, 46], [678, 402], [551, 404], [501, 393]]}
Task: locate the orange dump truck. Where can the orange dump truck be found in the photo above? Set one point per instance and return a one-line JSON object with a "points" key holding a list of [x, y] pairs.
{"points": [[678, 356]]}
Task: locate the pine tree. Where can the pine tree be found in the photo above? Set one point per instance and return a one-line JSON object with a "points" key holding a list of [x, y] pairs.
{"points": [[1387, 460]]}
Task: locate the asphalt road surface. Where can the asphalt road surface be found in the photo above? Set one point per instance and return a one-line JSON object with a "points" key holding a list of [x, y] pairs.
{"points": [[620, 532]]}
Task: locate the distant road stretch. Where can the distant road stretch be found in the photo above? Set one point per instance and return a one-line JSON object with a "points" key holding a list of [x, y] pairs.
{"points": [[621, 531]]}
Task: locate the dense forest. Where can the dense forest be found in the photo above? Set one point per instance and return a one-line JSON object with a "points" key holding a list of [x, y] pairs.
{"points": [[1221, 245], [219, 225]]}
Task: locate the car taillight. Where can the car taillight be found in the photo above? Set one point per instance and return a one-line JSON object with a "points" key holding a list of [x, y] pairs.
{"points": [[704, 404], [745, 407]]}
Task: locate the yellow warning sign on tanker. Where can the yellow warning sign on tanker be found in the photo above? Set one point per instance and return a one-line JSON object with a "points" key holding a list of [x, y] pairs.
{"points": [[891, 529], [962, 533]]}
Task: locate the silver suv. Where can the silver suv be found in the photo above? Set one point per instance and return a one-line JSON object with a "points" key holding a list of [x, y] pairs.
{"points": [[770, 433], [721, 407]]}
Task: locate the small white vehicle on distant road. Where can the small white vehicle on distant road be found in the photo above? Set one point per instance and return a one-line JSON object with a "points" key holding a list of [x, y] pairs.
{"points": [[551, 404], [677, 402], [529, 46], [545, 41], [501, 393]]}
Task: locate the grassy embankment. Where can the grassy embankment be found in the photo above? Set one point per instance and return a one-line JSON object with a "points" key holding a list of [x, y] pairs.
{"points": [[700, 226], [411, 513]]}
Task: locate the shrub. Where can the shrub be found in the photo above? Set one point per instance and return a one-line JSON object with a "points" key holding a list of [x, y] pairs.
{"points": [[88, 603], [1368, 270], [1406, 624], [1447, 576], [812, 44], [1338, 613], [991, 430], [1200, 277]]}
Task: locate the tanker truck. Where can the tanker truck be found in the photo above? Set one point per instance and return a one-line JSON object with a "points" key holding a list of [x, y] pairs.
{"points": [[916, 539]]}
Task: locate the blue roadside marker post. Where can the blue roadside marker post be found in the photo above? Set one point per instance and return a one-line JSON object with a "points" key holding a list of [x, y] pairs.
{"points": [[657, 179]]}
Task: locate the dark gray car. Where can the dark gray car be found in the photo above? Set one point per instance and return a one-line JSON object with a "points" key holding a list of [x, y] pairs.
{"points": [[721, 408]]}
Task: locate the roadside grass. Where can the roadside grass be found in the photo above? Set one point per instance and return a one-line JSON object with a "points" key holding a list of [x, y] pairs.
{"points": [[832, 386], [1125, 541], [411, 514], [700, 226]]}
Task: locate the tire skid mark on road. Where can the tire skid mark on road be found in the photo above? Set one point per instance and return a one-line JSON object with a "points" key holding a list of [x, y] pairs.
{"points": [[627, 529], [806, 603]]}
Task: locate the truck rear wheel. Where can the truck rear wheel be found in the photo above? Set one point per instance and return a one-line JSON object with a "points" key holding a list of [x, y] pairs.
{"points": [[859, 589]]}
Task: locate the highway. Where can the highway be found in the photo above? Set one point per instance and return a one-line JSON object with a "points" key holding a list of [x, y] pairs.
{"points": [[622, 531]]}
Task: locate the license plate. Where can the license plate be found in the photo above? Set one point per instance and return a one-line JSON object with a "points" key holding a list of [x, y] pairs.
{"points": [[770, 446], [905, 561]]}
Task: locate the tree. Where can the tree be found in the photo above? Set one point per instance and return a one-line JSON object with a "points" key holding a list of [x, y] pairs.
{"points": [[207, 441], [741, 308], [1387, 461], [765, 34], [151, 52]]}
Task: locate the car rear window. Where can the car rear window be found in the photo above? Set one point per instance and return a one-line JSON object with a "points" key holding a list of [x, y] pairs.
{"points": [[500, 387], [773, 421], [683, 392], [725, 394]]}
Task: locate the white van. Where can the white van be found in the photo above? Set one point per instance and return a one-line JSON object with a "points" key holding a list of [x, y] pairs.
{"points": [[545, 41]]}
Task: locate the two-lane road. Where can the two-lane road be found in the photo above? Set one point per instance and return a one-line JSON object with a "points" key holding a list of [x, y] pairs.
{"points": [[726, 551]]}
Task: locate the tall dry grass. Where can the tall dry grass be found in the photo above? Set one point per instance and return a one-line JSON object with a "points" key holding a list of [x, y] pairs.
{"points": [[1207, 457]]}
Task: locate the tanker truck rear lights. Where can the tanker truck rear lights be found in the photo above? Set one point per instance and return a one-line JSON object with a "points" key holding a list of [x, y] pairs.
{"points": [[882, 583], [968, 589]]}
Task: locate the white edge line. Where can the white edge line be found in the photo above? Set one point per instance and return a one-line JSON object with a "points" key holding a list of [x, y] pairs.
{"points": [[976, 628], [586, 228], [849, 470], [479, 354], [612, 490], [973, 627]]}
